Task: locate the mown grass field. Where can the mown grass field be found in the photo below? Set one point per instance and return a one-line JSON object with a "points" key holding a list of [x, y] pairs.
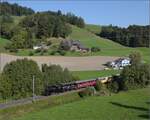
{"points": [[84, 75], [93, 28], [131, 105]]}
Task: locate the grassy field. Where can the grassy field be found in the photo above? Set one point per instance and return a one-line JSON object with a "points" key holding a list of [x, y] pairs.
{"points": [[96, 29], [131, 105], [84, 75], [49, 102]]}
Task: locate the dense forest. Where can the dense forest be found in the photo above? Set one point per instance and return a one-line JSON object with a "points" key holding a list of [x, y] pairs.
{"points": [[133, 36], [34, 27], [14, 9]]}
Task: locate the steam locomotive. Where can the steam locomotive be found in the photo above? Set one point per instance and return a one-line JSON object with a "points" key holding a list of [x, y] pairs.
{"points": [[59, 88]]}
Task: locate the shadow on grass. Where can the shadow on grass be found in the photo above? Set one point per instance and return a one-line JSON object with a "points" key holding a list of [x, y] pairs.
{"points": [[145, 116]]}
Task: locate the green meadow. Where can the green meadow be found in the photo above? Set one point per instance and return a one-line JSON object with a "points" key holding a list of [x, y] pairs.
{"points": [[84, 75], [131, 105]]}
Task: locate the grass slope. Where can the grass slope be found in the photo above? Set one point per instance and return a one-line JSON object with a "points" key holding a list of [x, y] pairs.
{"points": [[89, 39], [108, 47], [84, 75], [131, 105], [93, 28]]}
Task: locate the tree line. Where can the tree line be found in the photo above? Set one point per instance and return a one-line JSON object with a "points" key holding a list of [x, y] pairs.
{"points": [[17, 76], [132, 36], [14, 9]]}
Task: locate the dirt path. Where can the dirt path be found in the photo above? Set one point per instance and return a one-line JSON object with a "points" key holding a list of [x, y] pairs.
{"points": [[72, 63]]}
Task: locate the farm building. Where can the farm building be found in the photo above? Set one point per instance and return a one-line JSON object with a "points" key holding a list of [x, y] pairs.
{"points": [[73, 45]]}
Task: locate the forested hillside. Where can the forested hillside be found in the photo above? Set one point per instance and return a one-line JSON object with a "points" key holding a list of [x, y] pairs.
{"points": [[14, 9], [35, 27], [133, 36]]}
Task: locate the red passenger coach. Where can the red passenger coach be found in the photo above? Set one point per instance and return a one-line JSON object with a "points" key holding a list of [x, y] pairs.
{"points": [[85, 84]]}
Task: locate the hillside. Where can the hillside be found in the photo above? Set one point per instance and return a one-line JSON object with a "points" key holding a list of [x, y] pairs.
{"points": [[89, 39], [93, 28], [108, 47], [123, 106]]}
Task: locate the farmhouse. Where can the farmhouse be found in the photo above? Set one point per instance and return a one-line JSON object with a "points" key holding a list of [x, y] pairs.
{"points": [[74, 45], [119, 63]]}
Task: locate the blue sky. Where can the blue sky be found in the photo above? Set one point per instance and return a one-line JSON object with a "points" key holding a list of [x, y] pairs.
{"points": [[116, 12]]}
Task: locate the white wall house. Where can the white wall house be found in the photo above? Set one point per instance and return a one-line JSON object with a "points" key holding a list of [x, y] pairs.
{"points": [[120, 63], [37, 47]]}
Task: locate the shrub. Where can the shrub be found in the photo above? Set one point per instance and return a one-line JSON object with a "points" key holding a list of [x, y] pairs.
{"points": [[95, 49], [37, 50], [113, 86], [61, 52], [17, 79], [48, 43], [53, 52], [55, 74], [31, 53], [87, 92]]}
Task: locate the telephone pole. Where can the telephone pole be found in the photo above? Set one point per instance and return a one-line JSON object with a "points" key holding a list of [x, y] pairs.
{"points": [[33, 88]]}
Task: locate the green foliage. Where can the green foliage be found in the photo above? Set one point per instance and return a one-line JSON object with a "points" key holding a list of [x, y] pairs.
{"points": [[31, 53], [46, 25], [95, 49], [137, 74], [135, 58], [53, 52], [74, 20], [14, 9], [113, 86], [89, 91], [55, 74], [6, 23], [16, 79], [61, 52], [133, 36]]}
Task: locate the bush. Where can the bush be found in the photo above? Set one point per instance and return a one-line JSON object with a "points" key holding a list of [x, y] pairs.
{"points": [[17, 76], [53, 52], [31, 53], [137, 75], [37, 50], [49, 43], [55, 74], [13, 50], [113, 86], [95, 49], [87, 92], [61, 52]]}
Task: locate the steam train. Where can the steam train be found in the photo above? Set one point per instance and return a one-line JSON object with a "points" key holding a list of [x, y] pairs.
{"points": [[59, 88]]}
